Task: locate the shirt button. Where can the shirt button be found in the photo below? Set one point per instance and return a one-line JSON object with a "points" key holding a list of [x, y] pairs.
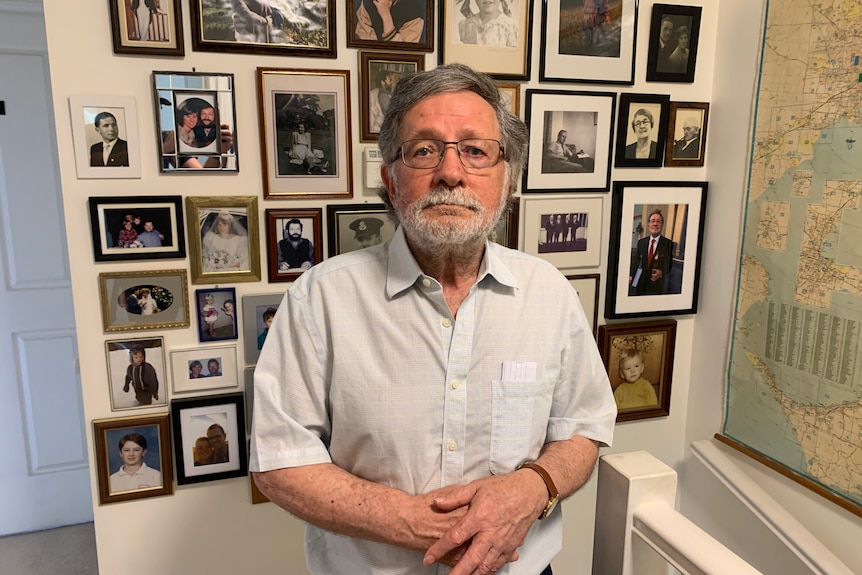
{"points": [[456, 384], [426, 282], [446, 322], [453, 446]]}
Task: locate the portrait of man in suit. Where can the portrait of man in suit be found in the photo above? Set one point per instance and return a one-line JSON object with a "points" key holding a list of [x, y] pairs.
{"points": [[689, 145], [112, 150], [653, 257]]}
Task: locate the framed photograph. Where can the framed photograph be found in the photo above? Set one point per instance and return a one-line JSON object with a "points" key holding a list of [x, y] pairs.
{"points": [[196, 122], [506, 232], [492, 37], [378, 74], [587, 288], [642, 128], [199, 368], [133, 457], [571, 133], [155, 299], [639, 360], [511, 94], [673, 35], [105, 136], [304, 29], [294, 242], [128, 228], [589, 41], [136, 373], [257, 314], [356, 226], [686, 135], [216, 312], [566, 232], [412, 26], [209, 437], [655, 246], [305, 132], [147, 27], [223, 239]]}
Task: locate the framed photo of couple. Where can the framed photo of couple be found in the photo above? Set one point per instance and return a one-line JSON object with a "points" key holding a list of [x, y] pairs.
{"points": [[639, 360], [155, 299], [655, 247], [223, 239], [673, 39], [378, 74], [201, 368], [493, 37]]}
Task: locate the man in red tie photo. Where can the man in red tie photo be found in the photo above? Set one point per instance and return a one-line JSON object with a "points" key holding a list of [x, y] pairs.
{"points": [[652, 260]]}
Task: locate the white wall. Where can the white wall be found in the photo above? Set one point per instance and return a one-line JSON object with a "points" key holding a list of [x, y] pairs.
{"points": [[219, 515]]}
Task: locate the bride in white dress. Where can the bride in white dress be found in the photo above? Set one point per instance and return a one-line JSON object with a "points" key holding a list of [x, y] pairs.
{"points": [[225, 245]]}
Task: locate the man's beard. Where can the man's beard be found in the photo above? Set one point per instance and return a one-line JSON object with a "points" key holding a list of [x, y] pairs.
{"points": [[295, 237], [430, 235]]}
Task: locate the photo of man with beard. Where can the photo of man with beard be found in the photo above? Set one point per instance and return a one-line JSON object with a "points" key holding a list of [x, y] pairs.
{"points": [[294, 251]]}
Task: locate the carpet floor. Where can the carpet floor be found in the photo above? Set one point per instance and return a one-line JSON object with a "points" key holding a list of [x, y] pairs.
{"points": [[69, 550]]}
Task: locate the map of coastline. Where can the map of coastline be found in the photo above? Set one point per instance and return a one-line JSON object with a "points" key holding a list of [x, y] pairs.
{"points": [[795, 379]]}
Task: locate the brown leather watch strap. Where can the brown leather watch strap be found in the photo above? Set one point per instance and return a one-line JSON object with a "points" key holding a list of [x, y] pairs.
{"points": [[553, 493]]}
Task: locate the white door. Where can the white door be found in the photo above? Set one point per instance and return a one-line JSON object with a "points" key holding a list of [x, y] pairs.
{"points": [[44, 477]]}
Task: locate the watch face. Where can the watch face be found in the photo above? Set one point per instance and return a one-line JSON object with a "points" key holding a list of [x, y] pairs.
{"points": [[550, 506]]}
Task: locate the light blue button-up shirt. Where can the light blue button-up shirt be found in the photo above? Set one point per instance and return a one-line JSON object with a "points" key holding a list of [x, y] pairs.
{"points": [[365, 367]]}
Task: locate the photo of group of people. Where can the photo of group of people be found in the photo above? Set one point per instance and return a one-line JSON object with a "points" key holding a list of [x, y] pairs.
{"points": [[143, 227], [563, 233], [590, 27]]}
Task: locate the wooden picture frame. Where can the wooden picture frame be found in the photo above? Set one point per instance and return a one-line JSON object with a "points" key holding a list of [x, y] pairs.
{"points": [[645, 351], [503, 51], [217, 314], [154, 29], [306, 33], [668, 58], [378, 74], [587, 48], [414, 26], [286, 262], [642, 127], [133, 383], [121, 294], [582, 162], [196, 122], [506, 231], [307, 144], [118, 119], [573, 243], [198, 418], [587, 288], [256, 309], [667, 283], [200, 369], [511, 94], [231, 256], [150, 432], [160, 219], [686, 135], [356, 226]]}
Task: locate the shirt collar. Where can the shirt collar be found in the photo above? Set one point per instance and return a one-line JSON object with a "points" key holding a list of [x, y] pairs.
{"points": [[404, 270]]}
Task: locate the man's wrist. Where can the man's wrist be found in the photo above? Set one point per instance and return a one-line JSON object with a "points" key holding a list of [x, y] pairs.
{"points": [[550, 494]]}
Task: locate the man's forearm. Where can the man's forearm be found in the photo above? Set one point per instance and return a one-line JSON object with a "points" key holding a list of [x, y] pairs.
{"points": [[333, 499], [570, 463]]}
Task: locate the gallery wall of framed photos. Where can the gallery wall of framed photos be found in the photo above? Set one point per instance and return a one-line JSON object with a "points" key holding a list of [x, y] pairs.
{"points": [[254, 157]]}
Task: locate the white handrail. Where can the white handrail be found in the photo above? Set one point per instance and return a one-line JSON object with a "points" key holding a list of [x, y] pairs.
{"points": [[810, 550], [683, 544]]}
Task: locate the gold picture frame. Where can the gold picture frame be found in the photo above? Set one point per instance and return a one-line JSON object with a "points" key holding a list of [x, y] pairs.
{"points": [[220, 257], [165, 300]]}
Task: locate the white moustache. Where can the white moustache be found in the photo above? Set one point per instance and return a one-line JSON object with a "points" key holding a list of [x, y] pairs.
{"points": [[450, 196]]}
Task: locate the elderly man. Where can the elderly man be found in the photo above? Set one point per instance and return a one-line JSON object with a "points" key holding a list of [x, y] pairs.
{"points": [[398, 408], [689, 145], [653, 258]]}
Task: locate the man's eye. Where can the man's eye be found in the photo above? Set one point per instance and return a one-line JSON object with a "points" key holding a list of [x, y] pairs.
{"points": [[473, 151]]}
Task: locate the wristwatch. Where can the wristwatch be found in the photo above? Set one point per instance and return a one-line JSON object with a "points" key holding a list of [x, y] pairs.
{"points": [[553, 494]]}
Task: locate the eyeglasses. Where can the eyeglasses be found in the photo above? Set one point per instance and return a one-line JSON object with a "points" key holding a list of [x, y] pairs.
{"points": [[474, 153], [640, 123]]}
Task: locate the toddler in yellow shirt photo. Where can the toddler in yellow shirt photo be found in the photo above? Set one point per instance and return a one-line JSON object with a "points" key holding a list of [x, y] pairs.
{"points": [[635, 390]]}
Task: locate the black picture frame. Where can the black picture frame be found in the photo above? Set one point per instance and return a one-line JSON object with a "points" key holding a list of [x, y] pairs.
{"points": [[352, 227], [107, 214], [214, 30], [191, 419], [423, 43], [181, 97], [670, 62], [649, 345], [216, 320], [634, 109], [277, 222], [667, 284]]}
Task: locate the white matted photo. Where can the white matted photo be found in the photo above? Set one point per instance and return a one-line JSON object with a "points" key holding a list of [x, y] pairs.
{"points": [[566, 232], [204, 368], [105, 134], [136, 373]]}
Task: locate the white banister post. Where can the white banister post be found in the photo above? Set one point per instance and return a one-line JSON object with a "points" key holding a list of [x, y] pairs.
{"points": [[627, 480]]}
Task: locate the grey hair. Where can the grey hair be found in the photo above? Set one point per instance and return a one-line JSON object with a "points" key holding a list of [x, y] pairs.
{"points": [[414, 88]]}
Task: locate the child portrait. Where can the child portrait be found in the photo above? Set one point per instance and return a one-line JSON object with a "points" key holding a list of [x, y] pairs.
{"points": [[136, 373]]}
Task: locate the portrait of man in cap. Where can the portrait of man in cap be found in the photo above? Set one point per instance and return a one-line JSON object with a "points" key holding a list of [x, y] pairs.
{"points": [[366, 231]]}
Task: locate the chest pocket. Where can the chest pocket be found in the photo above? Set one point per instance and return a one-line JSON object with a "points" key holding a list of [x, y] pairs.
{"points": [[519, 423]]}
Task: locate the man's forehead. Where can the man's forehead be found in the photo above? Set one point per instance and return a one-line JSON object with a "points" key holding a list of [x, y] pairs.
{"points": [[469, 110]]}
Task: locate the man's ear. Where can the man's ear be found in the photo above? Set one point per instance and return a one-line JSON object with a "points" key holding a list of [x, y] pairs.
{"points": [[387, 182]]}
